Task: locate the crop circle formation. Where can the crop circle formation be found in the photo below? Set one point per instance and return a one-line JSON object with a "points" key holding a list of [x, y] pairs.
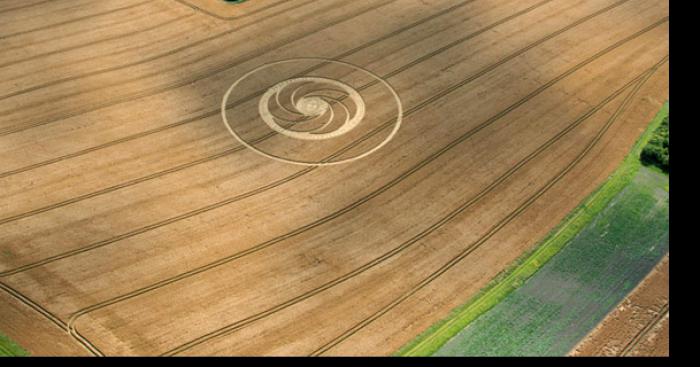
{"points": [[312, 111]]}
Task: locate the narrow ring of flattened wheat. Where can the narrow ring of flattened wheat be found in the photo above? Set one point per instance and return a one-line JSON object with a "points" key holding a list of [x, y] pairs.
{"points": [[313, 104]]}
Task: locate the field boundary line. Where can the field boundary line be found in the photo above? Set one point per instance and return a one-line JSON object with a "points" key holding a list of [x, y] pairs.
{"points": [[644, 331], [525, 267], [233, 17], [302, 172], [161, 88], [201, 116], [428, 160], [447, 266], [222, 261], [98, 41], [269, 135], [236, 197], [49, 26], [397, 250], [48, 315], [24, 6], [142, 61]]}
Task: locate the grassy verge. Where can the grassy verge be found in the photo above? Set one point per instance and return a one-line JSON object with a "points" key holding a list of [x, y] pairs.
{"points": [[527, 265], [9, 349]]}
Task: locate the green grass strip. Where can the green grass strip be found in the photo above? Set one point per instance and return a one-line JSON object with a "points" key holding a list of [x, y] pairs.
{"points": [[8, 348], [527, 265]]}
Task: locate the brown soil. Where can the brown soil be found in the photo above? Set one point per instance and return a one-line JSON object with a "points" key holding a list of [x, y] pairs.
{"points": [[638, 326], [128, 211]]}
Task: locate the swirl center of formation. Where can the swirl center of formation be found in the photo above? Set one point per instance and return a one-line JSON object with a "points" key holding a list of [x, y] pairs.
{"points": [[312, 111]]}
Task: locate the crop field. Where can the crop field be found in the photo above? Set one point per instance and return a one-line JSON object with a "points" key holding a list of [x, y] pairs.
{"points": [[576, 289], [639, 325], [297, 177]]}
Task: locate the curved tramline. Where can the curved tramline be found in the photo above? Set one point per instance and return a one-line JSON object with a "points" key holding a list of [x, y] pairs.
{"points": [[214, 112], [480, 119], [247, 321], [54, 25], [233, 17], [258, 93], [472, 247], [268, 186], [86, 45], [154, 57], [158, 89], [363, 201]]}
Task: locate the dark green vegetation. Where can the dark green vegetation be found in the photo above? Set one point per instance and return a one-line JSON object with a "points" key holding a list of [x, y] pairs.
{"points": [[430, 341], [577, 288], [656, 151], [9, 348]]}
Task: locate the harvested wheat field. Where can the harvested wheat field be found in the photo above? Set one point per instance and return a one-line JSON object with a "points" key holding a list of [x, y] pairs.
{"points": [[639, 326], [376, 163]]}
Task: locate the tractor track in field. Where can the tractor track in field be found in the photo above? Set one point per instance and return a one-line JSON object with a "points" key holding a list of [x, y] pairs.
{"points": [[216, 111], [117, 22], [239, 148], [266, 136], [24, 6], [89, 346], [74, 20], [94, 42], [146, 92], [514, 214], [234, 17], [361, 201], [63, 280], [300, 173], [638, 338], [230, 328]]}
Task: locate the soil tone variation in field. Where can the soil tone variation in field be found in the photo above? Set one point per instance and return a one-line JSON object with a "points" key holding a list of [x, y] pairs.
{"points": [[574, 291], [296, 177], [638, 326]]}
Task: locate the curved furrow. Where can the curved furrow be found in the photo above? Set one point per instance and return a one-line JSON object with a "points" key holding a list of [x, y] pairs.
{"points": [[75, 20], [494, 229], [230, 328], [96, 42], [271, 134], [300, 173], [258, 10], [89, 346], [216, 111], [24, 6], [361, 201], [160, 89]]}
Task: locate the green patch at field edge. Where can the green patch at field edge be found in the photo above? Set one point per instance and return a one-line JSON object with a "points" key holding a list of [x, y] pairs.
{"points": [[578, 287], [431, 340], [8, 348]]}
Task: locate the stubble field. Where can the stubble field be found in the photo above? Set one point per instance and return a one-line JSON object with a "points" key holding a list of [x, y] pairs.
{"points": [[132, 222]]}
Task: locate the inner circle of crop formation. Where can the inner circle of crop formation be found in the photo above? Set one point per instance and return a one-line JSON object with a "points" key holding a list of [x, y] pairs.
{"points": [[312, 111]]}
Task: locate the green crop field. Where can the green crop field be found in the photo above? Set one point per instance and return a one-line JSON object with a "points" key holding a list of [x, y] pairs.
{"points": [[9, 348], [574, 291], [431, 340]]}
